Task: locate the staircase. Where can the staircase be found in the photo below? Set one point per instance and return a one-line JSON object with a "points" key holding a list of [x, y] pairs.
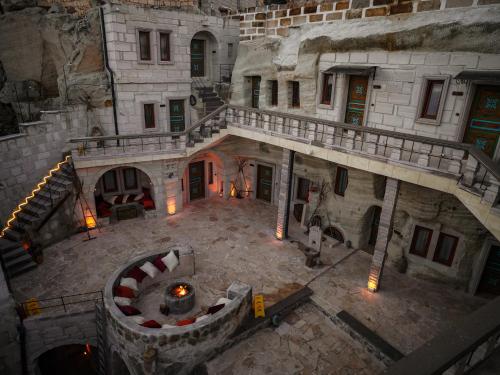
{"points": [[210, 128], [100, 322], [210, 99], [31, 214]]}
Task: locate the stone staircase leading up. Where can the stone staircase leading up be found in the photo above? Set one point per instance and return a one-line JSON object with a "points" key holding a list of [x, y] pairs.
{"points": [[31, 214], [210, 99], [204, 132]]}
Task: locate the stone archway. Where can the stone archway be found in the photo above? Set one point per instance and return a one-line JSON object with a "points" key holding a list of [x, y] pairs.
{"points": [[74, 357]]}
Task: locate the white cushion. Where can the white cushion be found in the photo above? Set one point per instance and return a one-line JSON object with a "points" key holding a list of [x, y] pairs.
{"points": [[113, 198], [200, 318], [110, 200], [138, 319], [129, 282], [122, 301], [167, 326], [222, 301], [125, 197], [139, 197], [150, 269], [170, 260]]}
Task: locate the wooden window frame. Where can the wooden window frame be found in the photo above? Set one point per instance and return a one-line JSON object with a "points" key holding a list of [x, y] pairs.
{"points": [[136, 180], [151, 45], [156, 117], [170, 60], [450, 259], [273, 92], [291, 87], [417, 229], [424, 99], [328, 103], [115, 177], [337, 189]]}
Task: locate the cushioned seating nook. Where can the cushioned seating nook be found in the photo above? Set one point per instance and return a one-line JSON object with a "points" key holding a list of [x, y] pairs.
{"points": [[103, 206]]}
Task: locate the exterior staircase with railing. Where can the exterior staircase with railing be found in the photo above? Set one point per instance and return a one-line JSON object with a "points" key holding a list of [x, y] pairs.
{"points": [[210, 100], [30, 215]]}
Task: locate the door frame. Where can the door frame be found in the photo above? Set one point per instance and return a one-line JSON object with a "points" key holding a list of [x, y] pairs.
{"points": [[188, 179], [470, 93], [480, 264], [255, 182]]}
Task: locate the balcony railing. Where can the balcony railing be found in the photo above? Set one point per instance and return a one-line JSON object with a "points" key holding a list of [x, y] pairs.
{"points": [[469, 166]]}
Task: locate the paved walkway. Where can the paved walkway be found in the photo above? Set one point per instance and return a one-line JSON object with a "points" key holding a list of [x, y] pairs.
{"points": [[234, 240]]}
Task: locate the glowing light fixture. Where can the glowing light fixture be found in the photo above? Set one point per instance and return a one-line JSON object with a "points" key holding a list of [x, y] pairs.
{"points": [[90, 220], [171, 205], [372, 285], [40, 185]]}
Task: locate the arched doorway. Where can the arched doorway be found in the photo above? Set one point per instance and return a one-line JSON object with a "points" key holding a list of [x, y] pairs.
{"points": [[123, 193], [74, 359], [204, 56]]}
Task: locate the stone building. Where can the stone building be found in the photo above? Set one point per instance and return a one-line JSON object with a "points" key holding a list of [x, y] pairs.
{"points": [[376, 121]]}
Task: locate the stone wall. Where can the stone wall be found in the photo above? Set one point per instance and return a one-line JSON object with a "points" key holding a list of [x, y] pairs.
{"points": [[46, 332], [277, 20], [154, 81], [10, 349]]}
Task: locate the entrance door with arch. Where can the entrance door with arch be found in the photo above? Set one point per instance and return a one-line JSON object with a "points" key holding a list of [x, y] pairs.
{"points": [[483, 125], [264, 182], [197, 58], [197, 180]]}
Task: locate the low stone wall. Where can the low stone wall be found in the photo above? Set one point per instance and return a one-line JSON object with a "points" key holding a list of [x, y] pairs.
{"points": [[175, 350], [276, 20]]}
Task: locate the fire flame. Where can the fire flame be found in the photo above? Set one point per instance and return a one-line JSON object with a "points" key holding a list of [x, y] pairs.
{"points": [[180, 291]]}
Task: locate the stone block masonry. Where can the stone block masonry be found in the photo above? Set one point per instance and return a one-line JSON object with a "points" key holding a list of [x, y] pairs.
{"points": [[281, 18], [284, 192]]}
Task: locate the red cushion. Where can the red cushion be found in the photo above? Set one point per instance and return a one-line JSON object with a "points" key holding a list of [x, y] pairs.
{"points": [[148, 204], [214, 309], [185, 322], [137, 273], [159, 264], [129, 310], [151, 324], [124, 291]]}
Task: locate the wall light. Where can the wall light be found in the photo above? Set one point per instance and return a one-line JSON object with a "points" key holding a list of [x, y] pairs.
{"points": [[171, 205]]}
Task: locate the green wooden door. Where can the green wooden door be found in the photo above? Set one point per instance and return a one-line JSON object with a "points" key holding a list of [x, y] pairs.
{"points": [[197, 180], [177, 115], [197, 58], [255, 91], [264, 183], [356, 100], [490, 280], [483, 128]]}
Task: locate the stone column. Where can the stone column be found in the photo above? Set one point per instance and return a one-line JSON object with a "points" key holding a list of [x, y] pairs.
{"points": [[384, 233], [284, 196]]}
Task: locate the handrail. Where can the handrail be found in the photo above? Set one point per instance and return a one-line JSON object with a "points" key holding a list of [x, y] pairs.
{"points": [[152, 135], [96, 295]]}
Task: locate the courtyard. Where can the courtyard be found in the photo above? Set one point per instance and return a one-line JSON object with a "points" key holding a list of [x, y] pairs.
{"points": [[234, 240]]}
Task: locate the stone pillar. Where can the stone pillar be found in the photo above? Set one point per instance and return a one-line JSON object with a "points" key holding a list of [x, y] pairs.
{"points": [[384, 232], [284, 196]]}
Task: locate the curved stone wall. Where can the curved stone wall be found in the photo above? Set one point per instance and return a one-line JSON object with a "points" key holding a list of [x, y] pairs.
{"points": [[173, 350]]}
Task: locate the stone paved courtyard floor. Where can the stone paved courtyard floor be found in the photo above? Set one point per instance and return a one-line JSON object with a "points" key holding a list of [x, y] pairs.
{"points": [[234, 240]]}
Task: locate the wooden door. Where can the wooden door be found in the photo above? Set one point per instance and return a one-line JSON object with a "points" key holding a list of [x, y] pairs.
{"points": [[490, 280], [483, 126], [177, 118], [264, 182], [197, 58], [197, 180], [255, 91], [356, 100]]}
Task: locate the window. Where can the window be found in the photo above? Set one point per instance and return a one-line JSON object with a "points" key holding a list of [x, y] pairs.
{"points": [[230, 47], [445, 249], [327, 89], [302, 189], [210, 173], [432, 98], [164, 46], [145, 45], [110, 182], [294, 94], [129, 179], [149, 116], [420, 242], [273, 94], [341, 181], [177, 116]]}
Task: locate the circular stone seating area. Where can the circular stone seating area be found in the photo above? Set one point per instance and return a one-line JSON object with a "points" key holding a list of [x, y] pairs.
{"points": [[191, 340]]}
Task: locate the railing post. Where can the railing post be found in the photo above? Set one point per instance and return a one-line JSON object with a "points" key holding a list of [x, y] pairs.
{"points": [[349, 141], [396, 146], [423, 158], [455, 163], [471, 167], [371, 143]]}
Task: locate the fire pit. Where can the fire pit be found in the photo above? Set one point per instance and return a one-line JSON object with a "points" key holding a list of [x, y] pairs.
{"points": [[179, 297]]}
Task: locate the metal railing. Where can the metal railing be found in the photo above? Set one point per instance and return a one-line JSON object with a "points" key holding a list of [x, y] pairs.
{"points": [[468, 165], [62, 304], [457, 350], [225, 73]]}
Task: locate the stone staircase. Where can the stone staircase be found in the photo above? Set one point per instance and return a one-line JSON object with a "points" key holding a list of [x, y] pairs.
{"points": [[206, 93], [30, 215], [205, 132]]}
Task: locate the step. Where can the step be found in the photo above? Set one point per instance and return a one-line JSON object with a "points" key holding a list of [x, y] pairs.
{"points": [[26, 217], [23, 269], [7, 245], [40, 201], [17, 262], [51, 195], [62, 180], [13, 254], [13, 235], [19, 225], [34, 210]]}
